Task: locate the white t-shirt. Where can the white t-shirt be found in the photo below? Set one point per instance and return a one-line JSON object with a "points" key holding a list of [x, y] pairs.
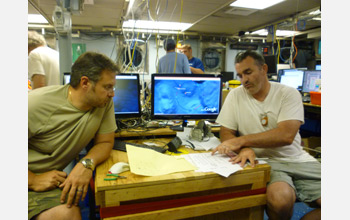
{"points": [[243, 113], [44, 61]]}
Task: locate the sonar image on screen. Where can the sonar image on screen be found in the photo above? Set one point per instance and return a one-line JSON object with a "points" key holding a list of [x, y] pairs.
{"points": [[186, 96], [126, 99]]}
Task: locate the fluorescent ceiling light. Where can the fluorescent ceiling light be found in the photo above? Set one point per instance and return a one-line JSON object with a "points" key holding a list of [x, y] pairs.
{"points": [[37, 19], [255, 4], [156, 25], [279, 33], [316, 12], [149, 31]]}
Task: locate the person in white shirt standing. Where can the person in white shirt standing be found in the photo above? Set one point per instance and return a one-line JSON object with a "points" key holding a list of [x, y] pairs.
{"points": [[43, 62], [262, 118]]}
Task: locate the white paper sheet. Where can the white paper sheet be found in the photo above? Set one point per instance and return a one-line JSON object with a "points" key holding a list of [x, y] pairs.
{"points": [[217, 163], [148, 162]]}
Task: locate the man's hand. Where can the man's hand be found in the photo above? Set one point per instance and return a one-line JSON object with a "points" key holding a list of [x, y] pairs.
{"points": [[47, 181], [244, 154], [76, 185], [229, 146]]}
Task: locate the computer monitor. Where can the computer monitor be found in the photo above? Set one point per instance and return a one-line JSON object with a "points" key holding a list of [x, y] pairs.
{"points": [[185, 96], [270, 60], [227, 76], [318, 67], [292, 78], [127, 96], [309, 81], [66, 78]]}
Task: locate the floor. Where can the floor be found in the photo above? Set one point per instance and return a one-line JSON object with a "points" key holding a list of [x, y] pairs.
{"points": [[300, 209]]}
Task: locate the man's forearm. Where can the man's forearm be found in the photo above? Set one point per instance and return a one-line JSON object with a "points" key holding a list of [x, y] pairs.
{"points": [[269, 139], [38, 81], [100, 152], [283, 135], [196, 70], [102, 148], [226, 134]]}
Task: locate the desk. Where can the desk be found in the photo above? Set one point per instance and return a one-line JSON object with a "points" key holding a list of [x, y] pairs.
{"points": [[312, 117], [181, 195], [306, 104], [144, 132]]}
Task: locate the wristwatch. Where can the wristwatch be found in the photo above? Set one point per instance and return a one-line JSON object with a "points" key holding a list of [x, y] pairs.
{"points": [[88, 163]]}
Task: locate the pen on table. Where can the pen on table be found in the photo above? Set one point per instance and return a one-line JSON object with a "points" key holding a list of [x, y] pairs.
{"points": [[114, 177]]}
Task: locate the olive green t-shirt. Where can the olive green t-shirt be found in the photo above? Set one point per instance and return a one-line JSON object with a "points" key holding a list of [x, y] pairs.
{"points": [[57, 131]]}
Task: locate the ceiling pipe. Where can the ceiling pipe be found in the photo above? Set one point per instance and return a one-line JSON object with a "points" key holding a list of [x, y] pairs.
{"points": [[41, 12]]}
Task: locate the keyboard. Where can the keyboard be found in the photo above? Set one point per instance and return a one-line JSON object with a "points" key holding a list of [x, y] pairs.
{"points": [[121, 145]]}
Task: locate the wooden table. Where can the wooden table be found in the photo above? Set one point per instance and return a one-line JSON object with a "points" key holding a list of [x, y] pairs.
{"points": [[311, 105], [181, 195], [144, 132]]}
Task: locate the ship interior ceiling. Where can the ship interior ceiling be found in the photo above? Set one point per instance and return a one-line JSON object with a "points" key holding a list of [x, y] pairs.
{"points": [[208, 18]]}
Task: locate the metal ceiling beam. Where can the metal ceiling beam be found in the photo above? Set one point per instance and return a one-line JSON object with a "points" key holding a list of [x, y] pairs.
{"points": [[36, 6], [211, 13]]}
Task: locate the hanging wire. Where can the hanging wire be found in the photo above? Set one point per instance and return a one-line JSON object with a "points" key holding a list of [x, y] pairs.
{"points": [[157, 56], [167, 36], [278, 51], [293, 44], [282, 48], [133, 52], [177, 39]]}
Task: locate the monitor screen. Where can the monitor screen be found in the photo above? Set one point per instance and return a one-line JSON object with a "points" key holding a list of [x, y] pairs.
{"points": [[227, 76], [318, 67], [309, 82], [292, 78], [270, 60], [66, 78], [127, 96], [185, 96]]}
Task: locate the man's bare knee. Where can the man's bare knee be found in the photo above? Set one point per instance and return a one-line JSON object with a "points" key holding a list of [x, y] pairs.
{"points": [[61, 212], [280, 199]]}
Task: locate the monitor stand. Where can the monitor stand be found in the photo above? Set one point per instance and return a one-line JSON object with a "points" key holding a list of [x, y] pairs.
{"points": [[179, 127]]}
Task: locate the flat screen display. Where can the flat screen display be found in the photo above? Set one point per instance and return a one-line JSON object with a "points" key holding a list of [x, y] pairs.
{"points": [[184, 96], [66, 78], [292, 78], [310, 77], [227, 76], [270, 60], [127, 96]]}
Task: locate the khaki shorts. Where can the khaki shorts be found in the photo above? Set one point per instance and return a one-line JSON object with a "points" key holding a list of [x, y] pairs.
{"points": [[305, 178], [41, 201]]}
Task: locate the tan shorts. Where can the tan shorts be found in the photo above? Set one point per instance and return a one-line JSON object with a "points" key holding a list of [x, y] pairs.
{"points": [[305, 178], [41, 201]]}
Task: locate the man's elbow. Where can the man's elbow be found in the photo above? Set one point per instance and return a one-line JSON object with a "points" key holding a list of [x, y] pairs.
{"points": [[288, 139]]}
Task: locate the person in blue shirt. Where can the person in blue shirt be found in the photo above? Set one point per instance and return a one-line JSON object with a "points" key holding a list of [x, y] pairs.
{"points": [[173, 62], [196, 64]]}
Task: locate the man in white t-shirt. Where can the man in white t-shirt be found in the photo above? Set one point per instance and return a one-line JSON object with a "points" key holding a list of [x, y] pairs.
{"points": [[262, 118], [43, 62]]}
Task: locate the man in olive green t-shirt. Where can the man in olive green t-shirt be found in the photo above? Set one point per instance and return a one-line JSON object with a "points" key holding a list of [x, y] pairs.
{"points": [[62, 120]]}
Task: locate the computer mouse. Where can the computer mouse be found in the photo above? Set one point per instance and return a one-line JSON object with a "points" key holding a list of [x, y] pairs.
{"points": [[119, 168]]}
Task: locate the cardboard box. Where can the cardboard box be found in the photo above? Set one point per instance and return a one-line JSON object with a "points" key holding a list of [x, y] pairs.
{"points": [[315, 98], [312, 143]]}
